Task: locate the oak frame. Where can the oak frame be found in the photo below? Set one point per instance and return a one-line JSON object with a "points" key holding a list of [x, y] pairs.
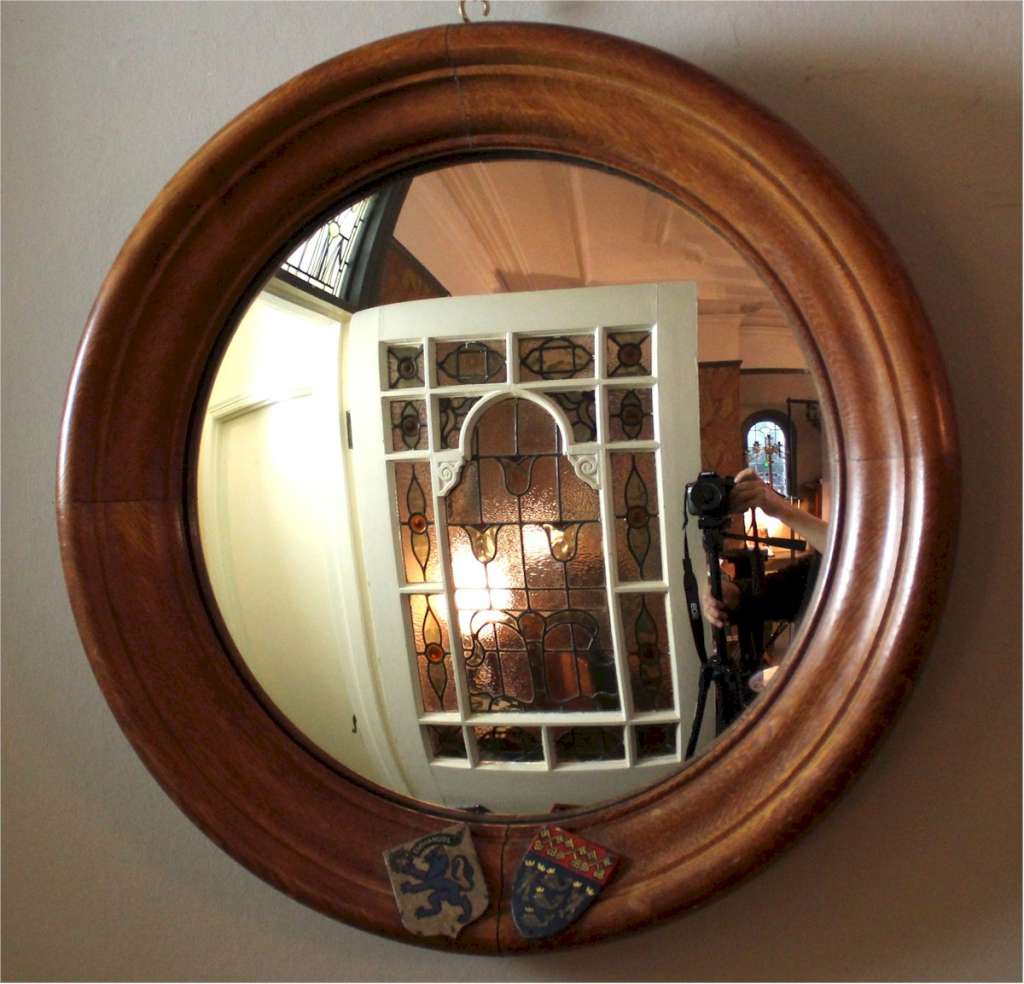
{"points": [[189, 268]]}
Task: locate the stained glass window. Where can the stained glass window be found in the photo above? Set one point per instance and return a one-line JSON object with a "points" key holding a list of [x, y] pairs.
{"points": [[646, 631], [470, 362], [433, 651], [408, 424], [630, 415], [415, 506], [509, 744], [451, 412], [405, 366], [579, 408], [508, 535], [525, 540], [629, 353], [655, 740], [768, 452], [446, 742], [588, 744], [637, 536], [322, 260], [556, 357]]}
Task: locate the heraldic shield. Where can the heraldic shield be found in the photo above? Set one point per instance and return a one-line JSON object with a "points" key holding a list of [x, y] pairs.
{"points": [[559, 877], [437, 881]]}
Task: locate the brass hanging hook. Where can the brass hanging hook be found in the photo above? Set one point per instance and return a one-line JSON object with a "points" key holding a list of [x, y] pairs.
{"points": [[486, 9]]}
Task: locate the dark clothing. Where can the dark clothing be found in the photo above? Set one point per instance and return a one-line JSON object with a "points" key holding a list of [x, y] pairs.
{"points": [[785, 593]]}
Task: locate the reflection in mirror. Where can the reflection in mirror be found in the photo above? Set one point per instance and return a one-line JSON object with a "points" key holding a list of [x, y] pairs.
{"points": [[442, 475]]}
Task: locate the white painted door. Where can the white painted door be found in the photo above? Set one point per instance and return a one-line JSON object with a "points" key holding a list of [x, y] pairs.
{"points": [[520, 462], [276, 536]]}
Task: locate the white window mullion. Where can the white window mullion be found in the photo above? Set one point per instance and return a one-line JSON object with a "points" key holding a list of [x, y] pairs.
{"points": [[441, 528], [640, 587], [608, 540], [454, 631], [548, 743]]}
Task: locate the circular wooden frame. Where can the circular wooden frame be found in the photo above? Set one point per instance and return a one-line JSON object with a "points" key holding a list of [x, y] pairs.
{"points": [[439, 96]]}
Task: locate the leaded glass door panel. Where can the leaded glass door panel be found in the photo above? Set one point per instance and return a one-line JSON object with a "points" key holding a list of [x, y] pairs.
{"points": [[519, 465]]}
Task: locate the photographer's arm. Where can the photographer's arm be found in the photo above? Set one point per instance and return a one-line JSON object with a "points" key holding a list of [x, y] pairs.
{"points": [[750, 492]]}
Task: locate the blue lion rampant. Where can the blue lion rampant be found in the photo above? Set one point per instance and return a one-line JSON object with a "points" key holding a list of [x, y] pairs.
{"points": [[447, 879]]}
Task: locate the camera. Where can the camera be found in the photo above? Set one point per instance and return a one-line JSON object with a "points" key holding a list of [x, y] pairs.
{"points": [[707, 498]]}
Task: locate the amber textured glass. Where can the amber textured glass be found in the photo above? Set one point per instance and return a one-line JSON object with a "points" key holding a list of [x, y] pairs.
{"points": [[465, 363], [525, 542], [408, 424], [646, 633], [628, 353], [431, 640], [556, 357], [630, 415], [635, 499], [405, 366], [451, 415], [579, 408], [415, 506]]}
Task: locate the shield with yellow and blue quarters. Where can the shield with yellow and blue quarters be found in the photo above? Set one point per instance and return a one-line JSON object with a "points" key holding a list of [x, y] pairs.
{"points": [[558, 879]]}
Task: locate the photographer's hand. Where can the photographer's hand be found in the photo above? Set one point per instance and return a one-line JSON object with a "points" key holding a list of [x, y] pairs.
{"points": [[717, 612], [750, 492]]}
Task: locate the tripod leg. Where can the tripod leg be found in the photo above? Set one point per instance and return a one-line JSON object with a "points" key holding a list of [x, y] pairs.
{"points": [[703, 685]]}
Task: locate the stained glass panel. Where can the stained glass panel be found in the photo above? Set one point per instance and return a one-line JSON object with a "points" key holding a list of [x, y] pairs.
{"points": [[556, 357], [767, 452], [589, 744], [629, 353], [451, 413], [446, 742], [579, 408], [509, 744], [635, 499], [526, 553], [653, 740], [323, 259], [470, 362], [415, 506], [405, 366], [646, 632], [630, 415], [408, 424], [433, 651]]}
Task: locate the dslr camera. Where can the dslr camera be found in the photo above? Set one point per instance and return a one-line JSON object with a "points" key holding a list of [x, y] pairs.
{"points": [[707, 498]]}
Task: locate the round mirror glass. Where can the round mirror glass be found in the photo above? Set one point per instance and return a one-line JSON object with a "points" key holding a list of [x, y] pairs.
{"points": [[442, 483]]}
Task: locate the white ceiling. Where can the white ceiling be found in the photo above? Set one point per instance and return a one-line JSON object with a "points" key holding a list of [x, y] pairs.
{"points": [[501, 226]]}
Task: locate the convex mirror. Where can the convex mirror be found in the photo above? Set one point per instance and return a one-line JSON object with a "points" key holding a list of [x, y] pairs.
{"points": [[186, 677], [512, 322]]}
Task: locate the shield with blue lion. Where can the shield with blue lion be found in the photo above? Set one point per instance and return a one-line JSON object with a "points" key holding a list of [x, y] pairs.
{"points": [[558, 879], [437, 881]]}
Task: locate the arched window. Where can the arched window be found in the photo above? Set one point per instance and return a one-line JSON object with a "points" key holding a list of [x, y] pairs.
{"points": [[768, 446], [321, 263]]}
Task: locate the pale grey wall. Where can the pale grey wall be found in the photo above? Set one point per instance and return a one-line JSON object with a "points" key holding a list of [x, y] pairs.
{"points": [[915, 873]]}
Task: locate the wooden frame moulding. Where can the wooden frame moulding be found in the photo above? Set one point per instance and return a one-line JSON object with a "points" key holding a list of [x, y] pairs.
{"points": [[186, 273]]}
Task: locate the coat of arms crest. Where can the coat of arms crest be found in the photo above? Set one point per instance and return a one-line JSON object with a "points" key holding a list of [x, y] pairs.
{"points": [[559, 877], [437, 881]]}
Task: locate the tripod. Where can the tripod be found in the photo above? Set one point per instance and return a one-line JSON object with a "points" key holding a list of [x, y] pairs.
{"points": [[717, 668]]}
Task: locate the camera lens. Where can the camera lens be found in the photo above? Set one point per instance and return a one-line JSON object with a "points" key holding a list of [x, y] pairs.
{"points": [[705, 496]]}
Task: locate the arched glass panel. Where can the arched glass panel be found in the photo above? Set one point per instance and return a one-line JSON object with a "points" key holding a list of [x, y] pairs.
{"points": [[768, 452], [526, 551], [321, 262]]}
